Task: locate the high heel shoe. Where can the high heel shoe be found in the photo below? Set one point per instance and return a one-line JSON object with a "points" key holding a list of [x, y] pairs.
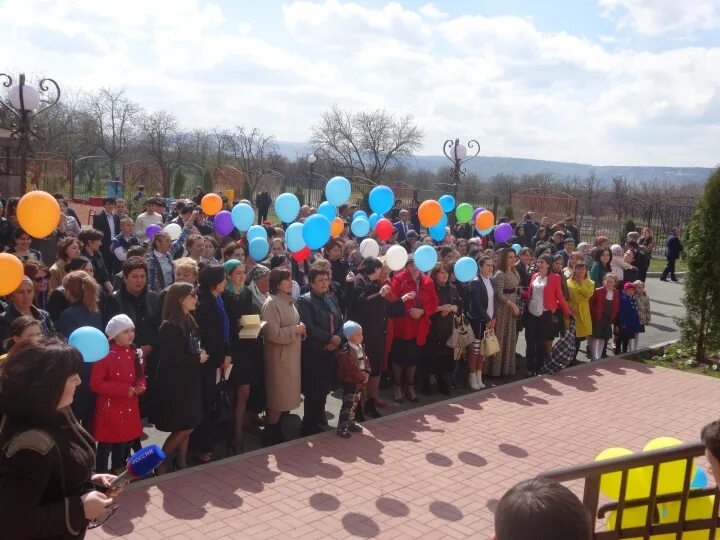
{"points": [[410, 394]]}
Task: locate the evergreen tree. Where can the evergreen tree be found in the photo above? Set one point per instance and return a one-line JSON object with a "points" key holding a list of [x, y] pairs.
{"points": [[701, 324], [628, 226], [207, 182], [300, 194], [246, 191], [179, 184]]}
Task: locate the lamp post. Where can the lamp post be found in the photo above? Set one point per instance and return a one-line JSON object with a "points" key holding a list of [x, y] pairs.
{"points": [[24, 103], [458, 154]]}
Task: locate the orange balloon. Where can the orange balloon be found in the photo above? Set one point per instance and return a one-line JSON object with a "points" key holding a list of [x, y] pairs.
{"points": [[11, 273], [484, 220], [211, 204], [38, 213], [430, 213], [336, 227]]}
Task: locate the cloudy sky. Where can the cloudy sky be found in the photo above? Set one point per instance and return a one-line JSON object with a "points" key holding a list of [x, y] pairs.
{"points": [[624, 82]]}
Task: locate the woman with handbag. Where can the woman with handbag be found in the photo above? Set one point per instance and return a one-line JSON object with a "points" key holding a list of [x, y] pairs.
{"points": [[506, 282], [543, 322], [481, 312], [436, 356]]}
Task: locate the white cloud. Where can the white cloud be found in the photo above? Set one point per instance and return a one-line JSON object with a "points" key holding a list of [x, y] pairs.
{"points": [[431, 11], [659, 17]]}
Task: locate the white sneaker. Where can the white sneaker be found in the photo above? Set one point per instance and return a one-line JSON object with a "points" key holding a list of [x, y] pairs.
{"points": [[478, 379], [472, 381]]}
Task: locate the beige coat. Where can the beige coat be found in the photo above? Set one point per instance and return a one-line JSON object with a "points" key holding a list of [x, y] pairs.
{"points": [[282, 352]]}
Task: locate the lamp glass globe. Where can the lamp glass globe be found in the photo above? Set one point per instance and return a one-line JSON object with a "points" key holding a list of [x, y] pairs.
{"points": [[31, 97], [311, 159], [460, 151]]}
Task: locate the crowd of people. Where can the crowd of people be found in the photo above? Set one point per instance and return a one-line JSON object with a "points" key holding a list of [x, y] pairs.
{"points": [[173, 306]]}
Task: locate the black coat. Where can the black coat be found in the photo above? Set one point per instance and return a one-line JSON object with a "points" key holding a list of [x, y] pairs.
{"points": [[42, 480], [247, 354], [371, 311], [673, 247], [177, 395], [477, 311], [100, 223], [209, 319], [143, 310], [317, 364], [263, 201], [441, 326]]}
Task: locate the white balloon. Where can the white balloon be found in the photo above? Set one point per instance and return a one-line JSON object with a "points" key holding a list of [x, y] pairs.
{"points": [[396, 258], [174, 230], [369, 248]]}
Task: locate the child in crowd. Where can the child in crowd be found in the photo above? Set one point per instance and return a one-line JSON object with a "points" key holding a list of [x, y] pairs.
{"points": [[643, 307], [353, 372], [118, 380], [21, 329], [627, 323], [618, 264]]}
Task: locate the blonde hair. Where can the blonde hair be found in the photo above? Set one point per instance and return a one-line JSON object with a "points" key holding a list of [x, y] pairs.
{"points": [[158, 235], [187, 263], [81, 286]]}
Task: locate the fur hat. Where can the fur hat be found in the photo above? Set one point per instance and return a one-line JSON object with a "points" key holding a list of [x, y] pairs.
{"points": [[117, 325]]}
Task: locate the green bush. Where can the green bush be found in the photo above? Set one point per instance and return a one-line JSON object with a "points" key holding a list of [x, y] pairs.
{"points": [[179, 182], [628, 226], [300, 194], [509, 212]]}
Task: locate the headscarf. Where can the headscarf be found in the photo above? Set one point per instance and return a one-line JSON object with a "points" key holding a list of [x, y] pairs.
{"points": [[256, 274], [229, 266]]}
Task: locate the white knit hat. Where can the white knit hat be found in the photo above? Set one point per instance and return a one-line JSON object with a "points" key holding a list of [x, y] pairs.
{"points": [[117, 325]]}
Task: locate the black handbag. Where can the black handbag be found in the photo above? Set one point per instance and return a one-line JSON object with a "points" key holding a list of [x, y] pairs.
{"points": [[223, 406]]}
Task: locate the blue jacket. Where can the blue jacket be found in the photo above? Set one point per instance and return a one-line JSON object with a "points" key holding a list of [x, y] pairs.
{"points": [[673, 247], [156, 281], [628, 319]]}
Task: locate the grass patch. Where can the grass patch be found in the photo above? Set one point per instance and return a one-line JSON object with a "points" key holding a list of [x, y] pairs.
{"points": [[683, 359], [658, 265]]}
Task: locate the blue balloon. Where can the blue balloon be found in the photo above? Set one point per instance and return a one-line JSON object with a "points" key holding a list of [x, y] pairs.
{"points": [[259, 248], [443, 221], [359, 213], [294, 237], [447, 202], [516, 248], [256, 231], [360, 227], [465, 269], [373, 219], [381, 199], [316, 231], [425, 258], [701, 480], [287, 207], [485, 232], [437, 232], [243, 216], [337, 190], [91, 342], [328, 210]]}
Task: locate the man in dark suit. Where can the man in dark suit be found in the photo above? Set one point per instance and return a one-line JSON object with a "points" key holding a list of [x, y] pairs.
{"points": [[107, 223], [403, 226], [673, 248]]}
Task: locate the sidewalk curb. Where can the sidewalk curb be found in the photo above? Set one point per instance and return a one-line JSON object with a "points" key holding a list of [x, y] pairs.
{"points": [[658, 274]]}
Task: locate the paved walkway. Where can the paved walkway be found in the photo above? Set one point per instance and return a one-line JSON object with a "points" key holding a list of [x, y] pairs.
{"points": [[434, 472]]}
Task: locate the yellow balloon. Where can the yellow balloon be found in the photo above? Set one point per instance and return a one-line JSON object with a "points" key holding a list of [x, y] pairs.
{"points": [[671, 475], [697, 508], [637, 485], [38, 213], [632, 517], [11, 273]]}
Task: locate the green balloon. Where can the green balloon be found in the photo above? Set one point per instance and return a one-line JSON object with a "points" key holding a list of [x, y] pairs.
{"points": [[464, 212]]}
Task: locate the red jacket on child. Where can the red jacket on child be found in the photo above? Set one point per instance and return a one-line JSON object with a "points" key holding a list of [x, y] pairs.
{"points": [[117, 415]]}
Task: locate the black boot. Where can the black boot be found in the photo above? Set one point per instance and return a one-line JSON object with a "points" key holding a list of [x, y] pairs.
{"points": [[272, 434], [371, 409], [359, 413], [442, 384]]}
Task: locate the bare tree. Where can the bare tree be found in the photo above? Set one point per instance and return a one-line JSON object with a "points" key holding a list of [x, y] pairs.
{"points": [[365, 143], [111, 115], [156, 131], [620, 196], [592, 188], [254, 154]]}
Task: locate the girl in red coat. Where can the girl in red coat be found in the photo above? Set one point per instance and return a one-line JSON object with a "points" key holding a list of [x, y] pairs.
{"points": [[118, 380]]}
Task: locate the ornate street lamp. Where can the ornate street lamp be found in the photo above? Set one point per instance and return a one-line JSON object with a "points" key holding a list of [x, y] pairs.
{"points": [[458, 154], [24, 103]]}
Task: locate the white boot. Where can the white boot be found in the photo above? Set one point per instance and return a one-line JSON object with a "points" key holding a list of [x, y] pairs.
{"points": [[478, 380], [472, 381]]}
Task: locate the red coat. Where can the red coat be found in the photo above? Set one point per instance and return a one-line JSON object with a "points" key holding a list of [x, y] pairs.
{"points": [[117, 416], [597, 304], [552, 294], [406, 327]]}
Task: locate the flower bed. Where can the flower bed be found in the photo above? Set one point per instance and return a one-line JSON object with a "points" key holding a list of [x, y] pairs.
{"points": [[680, 357]]}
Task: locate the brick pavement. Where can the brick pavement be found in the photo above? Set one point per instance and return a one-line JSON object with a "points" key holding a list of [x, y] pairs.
{"points": [[433, 472]]}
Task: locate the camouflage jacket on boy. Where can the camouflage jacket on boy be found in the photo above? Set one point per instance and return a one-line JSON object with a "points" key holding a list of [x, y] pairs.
{"points": [[352, 364]]}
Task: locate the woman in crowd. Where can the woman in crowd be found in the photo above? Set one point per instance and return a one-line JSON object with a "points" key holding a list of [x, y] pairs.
{"points": [[22, 329], [461, 244], [22, 249], [539, 238], [210, 246], [186, 270], [410, 332], [481, 312], [436, 355], [233, 250], [604, 307], [584, 250], [283, 261], [91, 241], [57, 302], [72, 227], [506, 282], [258, 280], [647, 245], [21, 303], [580, 290], [557, 268], [195, 247], [40, 275], [44, 479], [545, 307], [68, 249], [177, 395], [283, 336], [601, 266]]}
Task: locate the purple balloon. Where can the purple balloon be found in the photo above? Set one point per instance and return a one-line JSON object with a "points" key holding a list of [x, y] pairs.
{"points": [[223, 223], [152, 230], [503, 232], [476, 212]]}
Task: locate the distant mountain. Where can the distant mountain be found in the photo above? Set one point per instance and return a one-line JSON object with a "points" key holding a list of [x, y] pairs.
{"points": [[486, 167]]}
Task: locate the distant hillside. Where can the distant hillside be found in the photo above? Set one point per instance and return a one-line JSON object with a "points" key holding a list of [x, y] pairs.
{"points": [[486, 167]]}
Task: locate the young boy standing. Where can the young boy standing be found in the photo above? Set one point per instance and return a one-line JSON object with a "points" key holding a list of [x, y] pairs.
{"points": [[353, 373]]}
